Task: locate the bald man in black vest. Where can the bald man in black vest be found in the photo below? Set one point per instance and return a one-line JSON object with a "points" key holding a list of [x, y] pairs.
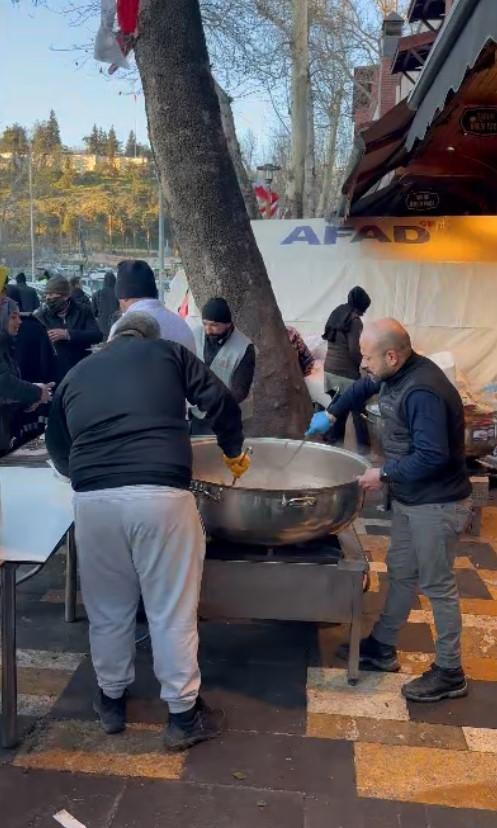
{"points": [[425, 470]]}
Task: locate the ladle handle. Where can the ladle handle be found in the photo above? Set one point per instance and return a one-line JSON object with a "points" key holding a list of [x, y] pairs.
{"points": [[299, 502]]}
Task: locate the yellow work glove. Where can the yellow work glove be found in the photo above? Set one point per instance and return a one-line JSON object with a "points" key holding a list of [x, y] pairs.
{"points": [[238, 465]]}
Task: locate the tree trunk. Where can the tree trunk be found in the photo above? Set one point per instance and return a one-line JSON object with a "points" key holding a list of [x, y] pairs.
{"points": [[325, 196], [229, 128], [310, 160], [300, 97], [211, 224]]}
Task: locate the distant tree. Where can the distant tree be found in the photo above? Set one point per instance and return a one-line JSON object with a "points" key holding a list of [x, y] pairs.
{"points": [[113, 146], [53, 132], [92, 140], [14, 140], [40, 141], [102, 142], [144, 151], [131, 146]]}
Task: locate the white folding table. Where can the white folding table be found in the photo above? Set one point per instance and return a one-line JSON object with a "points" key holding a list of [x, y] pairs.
{"points": [[36, 514]]}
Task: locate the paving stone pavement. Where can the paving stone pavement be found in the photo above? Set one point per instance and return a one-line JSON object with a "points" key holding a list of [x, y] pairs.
{"points": [[302, 748]]}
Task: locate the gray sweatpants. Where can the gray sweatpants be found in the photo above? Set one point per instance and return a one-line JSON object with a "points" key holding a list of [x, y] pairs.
{"points": [[422, 552], [146, 538]]}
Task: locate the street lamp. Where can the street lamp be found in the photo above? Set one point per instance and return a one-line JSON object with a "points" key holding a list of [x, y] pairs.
{"points": [[268, 171], [31, 210]]}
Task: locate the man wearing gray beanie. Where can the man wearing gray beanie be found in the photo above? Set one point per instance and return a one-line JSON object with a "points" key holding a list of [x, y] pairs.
{"points": [[137, 292], [72, 328]]}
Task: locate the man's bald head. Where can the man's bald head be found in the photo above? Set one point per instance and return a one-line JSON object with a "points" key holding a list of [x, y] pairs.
{"points": [[385, 347], [388, 334]]}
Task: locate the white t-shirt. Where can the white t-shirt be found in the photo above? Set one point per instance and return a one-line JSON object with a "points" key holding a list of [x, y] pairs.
{"points": [[172, 326]]}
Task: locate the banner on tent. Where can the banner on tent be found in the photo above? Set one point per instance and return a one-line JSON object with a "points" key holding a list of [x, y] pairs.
{"points": [[453, 238], [447, 301]]}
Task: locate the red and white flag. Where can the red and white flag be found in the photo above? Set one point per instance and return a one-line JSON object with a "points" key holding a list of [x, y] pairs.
{"points": [[265, 198], [111, 45]]}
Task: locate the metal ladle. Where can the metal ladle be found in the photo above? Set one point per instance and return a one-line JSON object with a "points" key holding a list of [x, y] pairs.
{"points": [[293, 456]]}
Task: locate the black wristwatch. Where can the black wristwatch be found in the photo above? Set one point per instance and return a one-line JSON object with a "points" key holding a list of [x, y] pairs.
{"points": [[384, 476]]}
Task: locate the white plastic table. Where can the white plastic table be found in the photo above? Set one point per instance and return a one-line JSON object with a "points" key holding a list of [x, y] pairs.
{"points": [[36, 513]]}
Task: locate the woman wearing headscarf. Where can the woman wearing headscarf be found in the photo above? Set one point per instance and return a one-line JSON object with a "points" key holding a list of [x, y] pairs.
{"points": [[19, 400], [343, 358]]}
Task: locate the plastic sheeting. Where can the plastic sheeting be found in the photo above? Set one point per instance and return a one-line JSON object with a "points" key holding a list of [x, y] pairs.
{"points": [[404, 265]]}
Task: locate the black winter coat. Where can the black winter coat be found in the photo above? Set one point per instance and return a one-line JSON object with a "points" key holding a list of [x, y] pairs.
{"points": [[15, 394], [105, 306], [83, 333], [118, 418], [29, 299], [35, 353]]}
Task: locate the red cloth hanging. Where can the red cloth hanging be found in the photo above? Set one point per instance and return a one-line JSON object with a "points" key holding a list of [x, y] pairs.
{"points": [[127, 15], [183, 308]]}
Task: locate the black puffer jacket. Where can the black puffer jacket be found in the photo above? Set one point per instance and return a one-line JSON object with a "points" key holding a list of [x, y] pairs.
{"points": [[29, 299], [34, 352], [105, 304], [83, 332], [15, 394], [118, 418]]}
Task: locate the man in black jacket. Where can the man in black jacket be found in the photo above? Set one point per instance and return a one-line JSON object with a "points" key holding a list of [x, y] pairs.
{"points": [[18, 398], [229, 354], [118, 429], [77, 292], [425, 469], [105, 304], [29, 300], [71, 327]]}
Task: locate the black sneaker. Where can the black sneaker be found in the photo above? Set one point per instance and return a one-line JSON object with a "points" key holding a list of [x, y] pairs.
{"points": [[196, 725], [111, 712], [436, 684], [373, 654]]}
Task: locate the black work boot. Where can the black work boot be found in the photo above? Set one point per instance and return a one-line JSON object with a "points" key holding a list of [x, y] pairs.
{"points": [[195, 725], [373, 654], [436, 684], [111, 712]]}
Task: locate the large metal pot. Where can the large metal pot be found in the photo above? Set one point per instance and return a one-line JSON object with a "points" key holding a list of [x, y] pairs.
{"points": [[480, 433], [292, 493]]}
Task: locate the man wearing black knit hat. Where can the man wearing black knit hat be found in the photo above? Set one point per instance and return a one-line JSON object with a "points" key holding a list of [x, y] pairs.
{"points": [[137, 292], [228, 353]]}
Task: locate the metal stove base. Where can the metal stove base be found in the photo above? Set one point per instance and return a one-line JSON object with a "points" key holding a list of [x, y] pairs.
{"points": [[323, 588]]}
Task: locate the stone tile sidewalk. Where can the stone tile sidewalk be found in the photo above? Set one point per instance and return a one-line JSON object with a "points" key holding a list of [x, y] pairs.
{"points": [[302, 749]]}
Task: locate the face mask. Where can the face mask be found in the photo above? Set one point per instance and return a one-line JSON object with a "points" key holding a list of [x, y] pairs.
{"points": [[57, 304]]}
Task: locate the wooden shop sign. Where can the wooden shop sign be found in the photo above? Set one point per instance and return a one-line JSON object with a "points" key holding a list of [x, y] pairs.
{"points": [[480, 120]]}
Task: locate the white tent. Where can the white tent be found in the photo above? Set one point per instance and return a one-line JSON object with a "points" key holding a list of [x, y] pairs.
{"points": [[438, 276]]}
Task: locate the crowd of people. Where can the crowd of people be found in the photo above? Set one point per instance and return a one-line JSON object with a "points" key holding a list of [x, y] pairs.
{"points": [[119, 427]]}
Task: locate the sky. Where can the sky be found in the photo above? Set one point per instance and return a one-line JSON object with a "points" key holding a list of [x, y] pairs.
{"points": [[41, 71]]}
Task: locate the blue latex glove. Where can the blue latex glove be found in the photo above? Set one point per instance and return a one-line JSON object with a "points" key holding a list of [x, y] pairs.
{"points": [[320, 424]]}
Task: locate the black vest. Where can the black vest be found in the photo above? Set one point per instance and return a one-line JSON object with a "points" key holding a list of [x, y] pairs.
{"points": [[451, 482]]}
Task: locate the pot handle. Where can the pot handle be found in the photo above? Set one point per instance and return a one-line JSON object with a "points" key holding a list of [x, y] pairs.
{"points": [[198, 488], [298, 502]]}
